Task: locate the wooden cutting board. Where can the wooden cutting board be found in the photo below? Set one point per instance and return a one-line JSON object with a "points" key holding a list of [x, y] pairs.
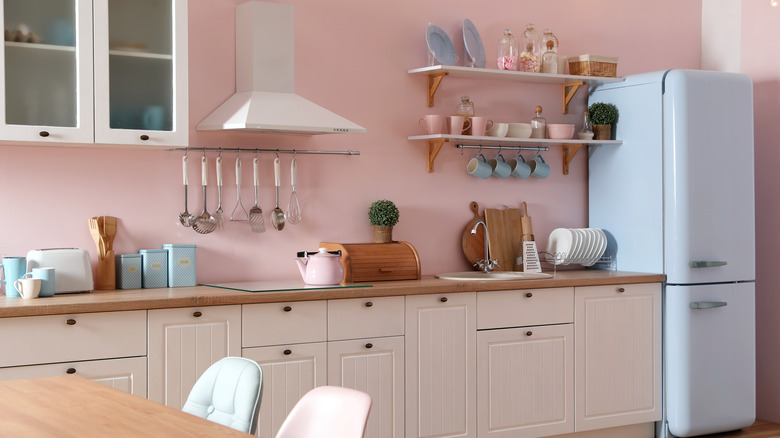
{"points": [[504, 236], [474, 245]]}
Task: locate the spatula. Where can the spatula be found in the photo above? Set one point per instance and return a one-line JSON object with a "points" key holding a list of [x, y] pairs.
{"points": [[256, 221]]}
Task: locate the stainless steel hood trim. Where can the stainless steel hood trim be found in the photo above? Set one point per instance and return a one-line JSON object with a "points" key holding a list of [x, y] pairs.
{"points": [[265, 101]]}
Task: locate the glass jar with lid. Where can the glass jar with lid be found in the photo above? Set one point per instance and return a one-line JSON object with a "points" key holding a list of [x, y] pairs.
{"points": [[466, 109], [530, 50], [538, 124], [550, 52], [507, 51]]}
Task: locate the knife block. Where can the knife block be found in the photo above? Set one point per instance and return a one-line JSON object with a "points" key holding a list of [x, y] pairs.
{"points": [[377, 261]]}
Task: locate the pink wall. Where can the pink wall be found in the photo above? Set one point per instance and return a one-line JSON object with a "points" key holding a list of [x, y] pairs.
{"points": [[760, 46], [352, 57]]}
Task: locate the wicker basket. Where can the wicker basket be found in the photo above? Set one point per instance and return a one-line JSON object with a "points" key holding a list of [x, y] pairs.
{"points": [[593, 65]]}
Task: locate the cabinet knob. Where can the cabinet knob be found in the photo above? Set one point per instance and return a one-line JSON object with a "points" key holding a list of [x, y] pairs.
{"points": [[197, 314], [287, 309], [369, 345], [621, 290], [529, 295], [44, 133], [71, 371], [369, 304], [144, 137], [443, 299], [71, 321], [529, 333], [287, 352]]}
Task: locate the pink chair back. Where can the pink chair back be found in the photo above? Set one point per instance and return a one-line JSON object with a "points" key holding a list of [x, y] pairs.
{"points": [[328, 412]]}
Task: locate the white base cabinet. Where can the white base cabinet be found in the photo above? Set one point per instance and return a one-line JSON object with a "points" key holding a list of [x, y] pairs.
{"points": [[183, 343], [618, 355], [525, 381], [441, 385]]}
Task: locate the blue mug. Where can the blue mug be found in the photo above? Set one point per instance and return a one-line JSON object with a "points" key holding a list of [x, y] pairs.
{"points": [[13, 269], [47, 280]]}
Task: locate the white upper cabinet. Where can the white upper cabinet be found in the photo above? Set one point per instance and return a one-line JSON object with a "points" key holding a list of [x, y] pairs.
{"points": [[47, 85], [141, 72], [95, 71]]}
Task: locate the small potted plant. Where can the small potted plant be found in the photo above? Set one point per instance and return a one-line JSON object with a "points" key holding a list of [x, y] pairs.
{"points": [[603, 116], [383, 215]]}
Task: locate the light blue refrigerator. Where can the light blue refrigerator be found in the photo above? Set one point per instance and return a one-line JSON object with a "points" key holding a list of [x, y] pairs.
{"points": [[677, 197]]}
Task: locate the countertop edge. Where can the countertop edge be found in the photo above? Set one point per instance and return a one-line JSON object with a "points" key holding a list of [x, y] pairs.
{"points": [[199, 296]]}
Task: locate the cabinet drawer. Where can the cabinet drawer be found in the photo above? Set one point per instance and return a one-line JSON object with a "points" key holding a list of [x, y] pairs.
{"points": [[284, 323], [518, 308], [34, 340], [365, 318]]}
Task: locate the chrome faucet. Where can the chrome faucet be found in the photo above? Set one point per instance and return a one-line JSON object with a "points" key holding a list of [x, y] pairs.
{"points": [[486, 265]]}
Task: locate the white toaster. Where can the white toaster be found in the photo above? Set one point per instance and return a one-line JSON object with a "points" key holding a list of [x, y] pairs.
{"points": [[72, 268]]}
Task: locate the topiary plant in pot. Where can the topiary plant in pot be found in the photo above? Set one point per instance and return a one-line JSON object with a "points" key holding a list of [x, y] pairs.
{"points": [[383, 215], [603, 116]]}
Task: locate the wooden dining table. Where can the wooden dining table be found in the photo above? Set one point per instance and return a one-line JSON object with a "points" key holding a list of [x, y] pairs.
{"points": [[72, 406]]}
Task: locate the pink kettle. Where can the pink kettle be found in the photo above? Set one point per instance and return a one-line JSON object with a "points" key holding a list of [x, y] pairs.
{"points": [[321, 268]]}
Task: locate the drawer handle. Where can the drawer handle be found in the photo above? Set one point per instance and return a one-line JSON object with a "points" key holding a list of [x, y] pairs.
{"points": [[71, 371], [369, 345], [144, 137], [197, 314], [386, 269], [71, 321], [621, 290], [287, 308], [44, 133], [369, 304], [529, 333], [529, 295], [287, 352], [443, 299]]}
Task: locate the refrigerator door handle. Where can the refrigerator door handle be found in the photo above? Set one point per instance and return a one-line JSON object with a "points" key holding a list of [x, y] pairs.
{"points": [[707, 304], [706, 264]]}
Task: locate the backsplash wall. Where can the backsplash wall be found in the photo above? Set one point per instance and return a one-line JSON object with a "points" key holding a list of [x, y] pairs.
{"points": [[351, 56]]}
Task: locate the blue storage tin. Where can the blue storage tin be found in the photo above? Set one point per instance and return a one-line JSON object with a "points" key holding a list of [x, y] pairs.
{"points": [[128, 271], [155, 267], [182, 266]]}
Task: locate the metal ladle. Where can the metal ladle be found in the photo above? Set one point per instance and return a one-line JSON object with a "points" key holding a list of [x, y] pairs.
{"points": [[277, 215], [205, 223], [185, 217]]}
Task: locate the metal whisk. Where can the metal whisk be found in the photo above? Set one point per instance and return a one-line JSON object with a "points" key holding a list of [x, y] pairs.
{"points": [[294, 206]]}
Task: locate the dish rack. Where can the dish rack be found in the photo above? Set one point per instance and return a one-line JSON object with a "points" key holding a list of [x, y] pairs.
{"points": [[606, 261]]}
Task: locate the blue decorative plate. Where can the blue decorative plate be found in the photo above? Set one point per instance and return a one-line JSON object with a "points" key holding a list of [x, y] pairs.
{"points": [[474, 46], [440, 45]]}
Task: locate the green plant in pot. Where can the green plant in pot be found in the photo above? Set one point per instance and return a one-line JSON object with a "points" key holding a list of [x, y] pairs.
{"points": [[602, 116], [383, 215]]}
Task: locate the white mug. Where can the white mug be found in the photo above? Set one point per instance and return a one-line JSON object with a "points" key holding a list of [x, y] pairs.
{"points": [[28, 288]]}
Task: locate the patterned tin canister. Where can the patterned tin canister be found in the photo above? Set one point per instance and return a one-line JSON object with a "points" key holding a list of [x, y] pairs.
{"points": [[128, 271], [155, 267], [181, 265]]}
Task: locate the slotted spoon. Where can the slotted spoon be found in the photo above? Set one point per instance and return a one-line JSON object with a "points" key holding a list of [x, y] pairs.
{"points": [[185, 217], [256, 221], [219, 212], [294, 206], [205, 223], [233, 216]]}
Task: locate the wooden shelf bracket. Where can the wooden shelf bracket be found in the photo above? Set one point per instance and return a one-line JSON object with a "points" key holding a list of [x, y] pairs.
{"points": [[434, 146], [434, 79], [569, 151], [569, 90]]}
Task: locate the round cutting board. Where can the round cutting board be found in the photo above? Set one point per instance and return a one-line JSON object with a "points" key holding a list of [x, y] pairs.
{"points": [[474, 245]]}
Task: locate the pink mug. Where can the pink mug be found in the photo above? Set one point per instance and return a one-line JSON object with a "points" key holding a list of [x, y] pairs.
{"points": [[458, 124], [479, 125], [432, 124]]}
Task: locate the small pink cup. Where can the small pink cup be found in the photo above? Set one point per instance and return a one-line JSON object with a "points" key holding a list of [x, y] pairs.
{"points": [[458, 124], [479, 125], [432, 124]]}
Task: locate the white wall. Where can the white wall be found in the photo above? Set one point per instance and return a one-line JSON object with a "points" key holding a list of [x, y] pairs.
{"points": [[721, 29]]}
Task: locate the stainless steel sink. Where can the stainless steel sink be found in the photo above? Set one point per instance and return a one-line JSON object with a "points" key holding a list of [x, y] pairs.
{"points": [[493, 276]]}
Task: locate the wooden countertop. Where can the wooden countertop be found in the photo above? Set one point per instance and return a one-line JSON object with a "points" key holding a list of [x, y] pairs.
{"points": [[161, 298]]}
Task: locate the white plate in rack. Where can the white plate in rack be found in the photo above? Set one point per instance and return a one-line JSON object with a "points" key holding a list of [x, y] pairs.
{"points": [[559, 246], [440, 45]]}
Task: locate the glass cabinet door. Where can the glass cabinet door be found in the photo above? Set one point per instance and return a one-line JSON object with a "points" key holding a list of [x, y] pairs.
{"points": [[140, 71], [47, 71]]}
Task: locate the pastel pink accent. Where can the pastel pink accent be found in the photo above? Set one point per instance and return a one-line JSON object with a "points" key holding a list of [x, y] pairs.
{"points": [[321, 268]]}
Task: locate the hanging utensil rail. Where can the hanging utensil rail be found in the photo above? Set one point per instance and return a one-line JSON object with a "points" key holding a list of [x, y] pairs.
{"points": [[509, 148], [276, 151]]}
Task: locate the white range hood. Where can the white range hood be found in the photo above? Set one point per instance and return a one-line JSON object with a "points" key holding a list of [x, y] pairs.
{"points": [[265, 99]]}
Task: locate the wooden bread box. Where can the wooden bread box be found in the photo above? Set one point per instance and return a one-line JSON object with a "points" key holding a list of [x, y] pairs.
{"points": [[377, 261]]}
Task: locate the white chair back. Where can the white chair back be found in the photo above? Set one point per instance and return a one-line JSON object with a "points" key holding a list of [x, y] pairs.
{"points": [[328, 412]]}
